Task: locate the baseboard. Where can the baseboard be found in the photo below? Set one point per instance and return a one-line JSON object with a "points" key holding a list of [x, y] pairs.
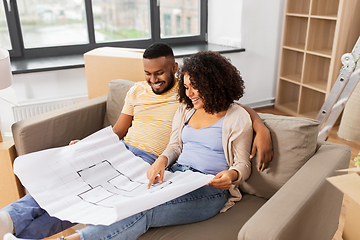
{"points": [[259, 104]]}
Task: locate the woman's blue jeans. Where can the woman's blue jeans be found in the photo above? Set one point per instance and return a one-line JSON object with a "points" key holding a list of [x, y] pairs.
{"points": [[195, 206]]}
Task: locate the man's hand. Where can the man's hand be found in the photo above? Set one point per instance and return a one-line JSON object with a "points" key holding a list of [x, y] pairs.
{"points": [[263, 144], [224, 179], [155, 172]]}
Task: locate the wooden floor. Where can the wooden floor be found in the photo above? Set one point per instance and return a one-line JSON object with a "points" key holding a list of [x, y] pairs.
{"points": [[333, 137]]}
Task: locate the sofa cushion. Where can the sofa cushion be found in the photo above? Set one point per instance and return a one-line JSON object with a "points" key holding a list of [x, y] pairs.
{"points": [[115, 100], [294, 142], [224, 225]]}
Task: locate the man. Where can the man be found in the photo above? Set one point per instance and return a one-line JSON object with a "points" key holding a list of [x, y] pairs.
{"points": [[144, 125], [145, 121]]}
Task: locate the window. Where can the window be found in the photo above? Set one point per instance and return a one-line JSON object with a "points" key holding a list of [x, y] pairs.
{"points": [[47, 23], [178, 25], [42, 28], [4, 33], [121, 20], [180, 10], [167, 25], [188, 24]]}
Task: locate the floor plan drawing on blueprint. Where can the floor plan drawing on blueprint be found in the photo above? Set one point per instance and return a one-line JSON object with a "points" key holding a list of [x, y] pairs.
{"points": [[109, 183], [97, 180]]}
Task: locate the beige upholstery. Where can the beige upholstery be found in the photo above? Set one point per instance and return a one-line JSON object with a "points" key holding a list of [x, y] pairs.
{"points": [[57, 128], [115, 99], [294, 141], [290, 200]]}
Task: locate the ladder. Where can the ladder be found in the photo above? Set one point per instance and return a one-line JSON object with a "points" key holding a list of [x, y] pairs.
{"points": [[346, 82]]}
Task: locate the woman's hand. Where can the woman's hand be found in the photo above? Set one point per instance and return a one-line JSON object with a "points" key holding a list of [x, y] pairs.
{"points": [[155, 172], [263, 144], [73, 142], [224, 179]]}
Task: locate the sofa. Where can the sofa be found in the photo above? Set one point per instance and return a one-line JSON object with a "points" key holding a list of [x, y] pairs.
{"points": [[290, 200]]}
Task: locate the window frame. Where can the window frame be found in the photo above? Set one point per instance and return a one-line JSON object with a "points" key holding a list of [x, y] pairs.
{"points": [[19, 51]]}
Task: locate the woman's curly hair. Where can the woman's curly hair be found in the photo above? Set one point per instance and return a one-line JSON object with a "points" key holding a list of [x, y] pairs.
{"points": [[219, 82]]}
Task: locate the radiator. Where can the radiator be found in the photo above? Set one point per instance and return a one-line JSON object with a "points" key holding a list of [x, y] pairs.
{"points": [[28, 110]]}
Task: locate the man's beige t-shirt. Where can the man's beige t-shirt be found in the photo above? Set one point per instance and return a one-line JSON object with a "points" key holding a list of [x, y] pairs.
{"points": [[152, 117]]}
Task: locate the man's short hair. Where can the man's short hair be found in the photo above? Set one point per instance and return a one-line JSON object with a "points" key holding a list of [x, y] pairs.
{"points": [[157, 50]]}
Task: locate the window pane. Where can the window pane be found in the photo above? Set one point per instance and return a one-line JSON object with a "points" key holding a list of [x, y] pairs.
{"points": [[47, 23], [116, 20], [179, 18], [4, 31]]}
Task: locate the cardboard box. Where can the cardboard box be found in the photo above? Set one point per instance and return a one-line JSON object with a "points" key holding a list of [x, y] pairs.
{"points": [[109, 63], [349, 184], [10, 186]]}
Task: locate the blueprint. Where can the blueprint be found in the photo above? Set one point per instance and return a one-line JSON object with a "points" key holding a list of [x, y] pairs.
{"points": [[97, 180]]}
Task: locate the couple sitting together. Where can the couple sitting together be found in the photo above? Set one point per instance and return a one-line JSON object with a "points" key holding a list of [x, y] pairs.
{"points": [[192, 122]]}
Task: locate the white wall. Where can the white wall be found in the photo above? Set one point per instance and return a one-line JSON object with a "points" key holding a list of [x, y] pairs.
{"points": [[252, 24], [224, 22], [259, 23], [40, 86]]}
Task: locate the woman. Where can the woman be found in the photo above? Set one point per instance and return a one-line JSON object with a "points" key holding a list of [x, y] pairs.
{"points": [[211, 134]]}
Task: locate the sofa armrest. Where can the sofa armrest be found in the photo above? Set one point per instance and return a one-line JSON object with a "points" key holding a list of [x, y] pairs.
{"points": [[57, 128], [307, 206]]}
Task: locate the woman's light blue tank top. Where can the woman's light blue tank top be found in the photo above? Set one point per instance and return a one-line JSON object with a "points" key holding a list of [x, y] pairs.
{"points": [[203, 149]]}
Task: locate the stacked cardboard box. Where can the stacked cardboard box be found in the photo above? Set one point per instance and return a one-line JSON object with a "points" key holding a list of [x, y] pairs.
{"points": [[109, 63], [349, 184]]}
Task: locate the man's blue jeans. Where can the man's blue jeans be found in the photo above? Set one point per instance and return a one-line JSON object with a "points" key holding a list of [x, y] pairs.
{"points": [[195, 206], [33, 222]]}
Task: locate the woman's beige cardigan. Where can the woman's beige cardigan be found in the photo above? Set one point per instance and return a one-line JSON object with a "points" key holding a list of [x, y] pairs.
{"points": [[237, 134]]}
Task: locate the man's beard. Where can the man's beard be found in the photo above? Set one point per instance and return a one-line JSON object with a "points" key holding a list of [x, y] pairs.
{"points": [[168, 87]]}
